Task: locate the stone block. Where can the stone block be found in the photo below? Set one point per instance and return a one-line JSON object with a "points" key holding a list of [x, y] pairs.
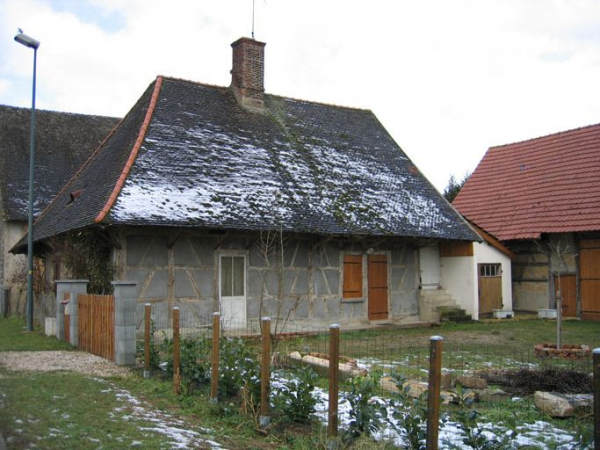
{"points": [[562, 405], [446, 382], [125, 333], [388, 384], [415, 388], [553, 404], [321, 366], [448, 397], [470, 382], [492, 395], [50, 326]]}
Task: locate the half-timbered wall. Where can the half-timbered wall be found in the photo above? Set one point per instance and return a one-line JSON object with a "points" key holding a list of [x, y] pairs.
{"points": [[180, 268]]}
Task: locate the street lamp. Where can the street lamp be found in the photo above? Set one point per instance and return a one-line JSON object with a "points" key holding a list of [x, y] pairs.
{"points": [[31, 43]]}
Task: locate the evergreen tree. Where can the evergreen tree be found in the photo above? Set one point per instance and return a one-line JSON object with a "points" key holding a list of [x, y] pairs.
{"points": [[454, 187]]}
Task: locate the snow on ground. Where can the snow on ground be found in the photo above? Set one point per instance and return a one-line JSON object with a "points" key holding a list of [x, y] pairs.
{"points": [[180, 434], [539, 435]]}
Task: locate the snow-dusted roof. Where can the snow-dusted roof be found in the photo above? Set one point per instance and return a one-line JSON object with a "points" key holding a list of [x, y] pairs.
{"points": [[63, 142], [188, 155]]}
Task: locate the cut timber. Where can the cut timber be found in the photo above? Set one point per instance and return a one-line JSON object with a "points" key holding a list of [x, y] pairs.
{"points": [[321, 366]]}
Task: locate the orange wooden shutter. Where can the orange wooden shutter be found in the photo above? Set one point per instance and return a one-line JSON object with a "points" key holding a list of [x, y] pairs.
{"points": [[353, 277]]}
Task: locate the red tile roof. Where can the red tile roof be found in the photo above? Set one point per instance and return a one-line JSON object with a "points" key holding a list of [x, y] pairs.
{"points": [[549, 184]]}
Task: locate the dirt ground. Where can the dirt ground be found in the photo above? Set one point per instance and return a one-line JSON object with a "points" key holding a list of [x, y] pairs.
{"points": [[51, 361]]}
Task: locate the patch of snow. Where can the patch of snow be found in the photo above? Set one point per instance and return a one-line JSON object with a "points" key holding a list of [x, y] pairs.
{"points": [[179, 433]]}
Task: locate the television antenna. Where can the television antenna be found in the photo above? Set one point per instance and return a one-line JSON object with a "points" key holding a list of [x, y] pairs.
{"points": [[253, 18]]}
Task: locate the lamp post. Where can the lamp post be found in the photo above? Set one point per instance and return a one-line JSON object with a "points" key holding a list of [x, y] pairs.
{"points": [[31, 43]]}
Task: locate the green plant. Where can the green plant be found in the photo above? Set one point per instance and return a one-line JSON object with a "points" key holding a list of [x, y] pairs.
{"points": [[237, 368], [410, 414], [194, 361], [482, 436], [294, 399], [87, 256], [365, 412], [140, 349]]}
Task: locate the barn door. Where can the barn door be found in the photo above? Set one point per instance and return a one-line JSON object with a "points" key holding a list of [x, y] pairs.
{"points": [[490, 288], [568, 289], [589, 263], [378, 287]]}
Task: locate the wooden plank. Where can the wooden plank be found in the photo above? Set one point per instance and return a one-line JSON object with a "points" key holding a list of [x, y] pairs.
{"points": [[590, 296], [589, 263], [589, 243], [490, 294], [456, 248], [353, 277], [96, 324], [378, 287], [568, 289]]}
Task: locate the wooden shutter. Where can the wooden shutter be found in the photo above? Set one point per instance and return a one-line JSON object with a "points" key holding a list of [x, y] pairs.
{"points": [[353, 276]]}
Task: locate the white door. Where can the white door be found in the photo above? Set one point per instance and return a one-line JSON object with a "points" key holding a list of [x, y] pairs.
{"points": [[232, 290], [430, 267]]}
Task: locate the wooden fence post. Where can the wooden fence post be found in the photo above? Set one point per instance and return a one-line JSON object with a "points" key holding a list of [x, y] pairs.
{"points": [[147, 330], [334, 366], [265, 373], [214, 370], [559, 301], [597, 398], [176, 350], [433, 396]]}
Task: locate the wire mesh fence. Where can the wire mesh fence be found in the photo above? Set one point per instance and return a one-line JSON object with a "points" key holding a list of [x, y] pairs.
{"points": [[489, 390]]}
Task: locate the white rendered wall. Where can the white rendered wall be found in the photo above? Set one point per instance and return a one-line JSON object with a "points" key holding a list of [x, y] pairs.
{"points": [[486, 254], [12, 233], [459, 278]]}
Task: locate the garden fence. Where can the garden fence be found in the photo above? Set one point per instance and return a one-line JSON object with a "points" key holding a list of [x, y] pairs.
{"points": [[404, 364]]}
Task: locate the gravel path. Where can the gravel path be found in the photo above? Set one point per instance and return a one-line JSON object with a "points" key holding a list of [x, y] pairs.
{"points": [[50, 361]]}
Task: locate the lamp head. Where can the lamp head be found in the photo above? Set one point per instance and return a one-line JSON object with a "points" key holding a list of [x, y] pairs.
{"points": [[27, 41]]}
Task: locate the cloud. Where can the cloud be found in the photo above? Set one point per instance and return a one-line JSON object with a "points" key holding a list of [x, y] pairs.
{"points": [[447, 78]]}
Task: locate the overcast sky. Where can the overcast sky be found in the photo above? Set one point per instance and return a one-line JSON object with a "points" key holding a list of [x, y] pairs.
{"points": [[447, 78]]}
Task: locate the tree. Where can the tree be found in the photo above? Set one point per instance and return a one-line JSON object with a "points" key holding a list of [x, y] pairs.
{"points": [[454, 187]]}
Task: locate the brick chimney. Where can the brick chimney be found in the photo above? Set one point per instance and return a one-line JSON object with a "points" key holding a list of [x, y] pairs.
{"points": [[248, 73]]}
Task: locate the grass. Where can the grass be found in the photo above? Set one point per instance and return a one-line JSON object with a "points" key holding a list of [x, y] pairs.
{"points": [[66, 410], [479, 345], [15, 337]]}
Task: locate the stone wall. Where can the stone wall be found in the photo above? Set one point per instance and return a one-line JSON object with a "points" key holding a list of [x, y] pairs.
{"points": [[536, 266], [531, 277], [304, 283]]}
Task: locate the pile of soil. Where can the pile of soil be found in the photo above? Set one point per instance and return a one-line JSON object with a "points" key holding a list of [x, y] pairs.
{"points": [[528, 381]]}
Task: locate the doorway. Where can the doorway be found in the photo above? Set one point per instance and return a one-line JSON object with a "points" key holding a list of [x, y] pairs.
{"points": [[377, 273], [232, 290]]}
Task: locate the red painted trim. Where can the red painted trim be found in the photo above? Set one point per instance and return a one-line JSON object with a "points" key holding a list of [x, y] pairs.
{"points": [[133, 155]]}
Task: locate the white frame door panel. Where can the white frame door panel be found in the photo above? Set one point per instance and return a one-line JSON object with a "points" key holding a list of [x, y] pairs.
{"points": [[232, 290]]}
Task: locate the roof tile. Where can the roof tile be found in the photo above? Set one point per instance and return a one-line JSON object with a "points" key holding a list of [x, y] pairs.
{"points": [[544, 185]]}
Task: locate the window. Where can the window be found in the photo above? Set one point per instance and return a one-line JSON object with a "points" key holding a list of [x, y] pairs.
{"points": [[232, 276], [489, 270], [353, 276]]}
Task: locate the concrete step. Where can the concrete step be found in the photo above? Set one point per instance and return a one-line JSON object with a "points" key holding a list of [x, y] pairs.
{"points": [[454, 315]]}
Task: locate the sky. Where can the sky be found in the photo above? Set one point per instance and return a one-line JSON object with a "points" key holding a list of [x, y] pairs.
{"points": [[447, 78]]}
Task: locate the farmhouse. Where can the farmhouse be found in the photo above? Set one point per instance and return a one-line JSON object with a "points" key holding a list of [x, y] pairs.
{"points": [[63, 142], [541, 198], [231, 199]]}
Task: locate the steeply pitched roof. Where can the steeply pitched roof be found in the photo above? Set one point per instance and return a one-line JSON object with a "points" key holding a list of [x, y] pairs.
{"points": [[188, 155], [63, 142], [546, 185]]}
